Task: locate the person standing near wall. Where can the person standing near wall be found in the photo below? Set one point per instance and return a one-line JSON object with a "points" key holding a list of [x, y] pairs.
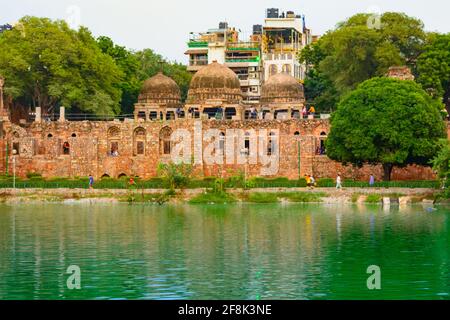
{"points": [[372, 181], [312, 181], [339, 182], [91, 182]]}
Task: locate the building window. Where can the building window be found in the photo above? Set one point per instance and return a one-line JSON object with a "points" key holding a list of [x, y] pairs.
{"points": [[247, 144], [165, 144], [222, 142], [114, 148], [139, 141], [50, 135], [287, 68], [273, 70], [140, 148], [16, 148], [66, 148], [321, 149], [113, 141]]}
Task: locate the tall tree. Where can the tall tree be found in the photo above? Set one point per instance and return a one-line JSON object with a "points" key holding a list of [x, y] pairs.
{"points": [[359, 49], [47, 64], [129, 65], [386, 121], [434, 67], [152, 63]]}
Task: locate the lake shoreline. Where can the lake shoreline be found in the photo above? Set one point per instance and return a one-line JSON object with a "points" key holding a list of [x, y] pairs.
{"points": [[401, 196]]}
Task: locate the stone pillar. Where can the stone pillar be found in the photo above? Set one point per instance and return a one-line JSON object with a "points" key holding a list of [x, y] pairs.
{"points": [[2, 82], [38, 117], [62, 114], [238, 113]]}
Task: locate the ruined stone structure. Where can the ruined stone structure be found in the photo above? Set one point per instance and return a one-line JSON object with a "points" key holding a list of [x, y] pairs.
{"points": [[135, 147], [401, 73]]}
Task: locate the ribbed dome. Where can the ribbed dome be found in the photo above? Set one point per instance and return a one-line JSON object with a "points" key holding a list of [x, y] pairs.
{"points": [[282, 88], [160, 89], [215, 82]]}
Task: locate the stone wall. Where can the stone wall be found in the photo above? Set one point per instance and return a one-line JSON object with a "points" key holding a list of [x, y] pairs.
{"points": [[90, 145]]}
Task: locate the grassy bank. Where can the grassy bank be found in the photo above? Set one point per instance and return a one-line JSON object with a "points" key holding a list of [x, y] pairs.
{"points": [[299, 197], [199, 196], [37, 182]]}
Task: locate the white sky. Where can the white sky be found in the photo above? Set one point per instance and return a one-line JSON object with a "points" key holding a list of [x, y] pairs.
{"points": [[164, 25]]}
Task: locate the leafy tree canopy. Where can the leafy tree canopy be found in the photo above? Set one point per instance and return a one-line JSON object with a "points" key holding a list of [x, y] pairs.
{"points": [[441, 163], [151, 63], [138, 67], [47, 64], [386, 121], [358, 49], [434, 67], [128, 63]]}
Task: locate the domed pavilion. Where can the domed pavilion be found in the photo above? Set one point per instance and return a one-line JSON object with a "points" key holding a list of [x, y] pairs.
{"points": [[215, 91], [282, 97], [160, 97]]}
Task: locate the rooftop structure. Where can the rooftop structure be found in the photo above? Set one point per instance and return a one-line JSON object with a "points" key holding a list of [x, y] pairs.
{"points": [[225, 46], [284, 36], [269, 49], [401, 73]]}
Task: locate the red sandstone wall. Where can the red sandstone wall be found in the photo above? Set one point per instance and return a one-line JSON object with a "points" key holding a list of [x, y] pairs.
{"points": [[89, 150]]}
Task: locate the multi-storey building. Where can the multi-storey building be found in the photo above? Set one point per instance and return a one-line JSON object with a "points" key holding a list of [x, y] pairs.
{"points": [[224, 46], [268, 50], [284, 36]]}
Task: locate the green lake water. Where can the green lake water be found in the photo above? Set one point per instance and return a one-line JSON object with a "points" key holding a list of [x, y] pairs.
{"points": [[223, 252]]}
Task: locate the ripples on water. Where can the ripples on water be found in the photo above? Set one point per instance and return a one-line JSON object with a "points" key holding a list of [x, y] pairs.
{"points": [[223, 252]]}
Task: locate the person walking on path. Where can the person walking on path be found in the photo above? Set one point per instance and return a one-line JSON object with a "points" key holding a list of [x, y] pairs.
{"points": [[91, 182], [313, 182], [308, 180], [372, 181], [339, 182]]}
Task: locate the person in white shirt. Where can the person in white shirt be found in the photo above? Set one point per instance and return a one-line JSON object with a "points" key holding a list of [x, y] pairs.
{"points": [[338, 182]]}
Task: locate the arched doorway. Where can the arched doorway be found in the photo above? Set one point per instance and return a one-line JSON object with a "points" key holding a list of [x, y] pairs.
{"points": [[165, 144]]}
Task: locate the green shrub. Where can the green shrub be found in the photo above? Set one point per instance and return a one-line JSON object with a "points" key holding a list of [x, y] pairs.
{"points": [[373, 198], [176, 175], [326, 183], [303, 197], [236, 181], [258, 197], [34, 175], [213, 198]]}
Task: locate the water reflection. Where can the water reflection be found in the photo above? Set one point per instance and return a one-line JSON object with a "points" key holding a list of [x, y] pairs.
{"points": [[223, 252]]}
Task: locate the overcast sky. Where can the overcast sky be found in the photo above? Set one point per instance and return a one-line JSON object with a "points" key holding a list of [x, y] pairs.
{"points": [[164, 25]]}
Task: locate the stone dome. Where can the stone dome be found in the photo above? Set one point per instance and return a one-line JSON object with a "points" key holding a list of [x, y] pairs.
{"points": [[160, 89], [282, 88], [215, 82]]}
